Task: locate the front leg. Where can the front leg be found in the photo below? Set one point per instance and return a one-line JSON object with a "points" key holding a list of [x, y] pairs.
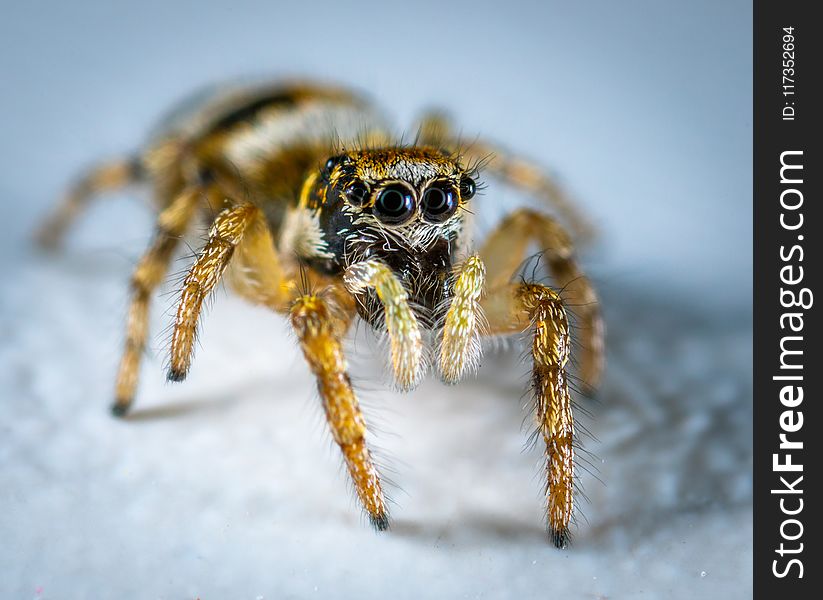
{"points": [[225, 235], [319, 332], [515, 307], [401, 324], [550, 353]]}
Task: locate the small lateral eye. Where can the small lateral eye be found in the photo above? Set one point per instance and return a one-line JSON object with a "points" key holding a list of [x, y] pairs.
{"points": [[439, 202], [333, 162], [394, 205], [467, 187], [357, 193], [330, 165]]}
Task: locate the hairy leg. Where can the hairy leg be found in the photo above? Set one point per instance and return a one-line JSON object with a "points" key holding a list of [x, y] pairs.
{"points": [[401, 324], [106, 177], [171, 225], [459, 349], [319, 332], [224, 236], [522, 305], [504, 251], [256, 271]]}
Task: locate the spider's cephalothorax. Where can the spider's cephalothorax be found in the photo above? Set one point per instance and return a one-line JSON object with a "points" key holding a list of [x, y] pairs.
{"points": [[313, 211], [402, 207]]}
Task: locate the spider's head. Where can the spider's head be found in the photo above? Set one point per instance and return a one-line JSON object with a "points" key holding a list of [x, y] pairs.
{"points": [[402, 190], [403, 206]]}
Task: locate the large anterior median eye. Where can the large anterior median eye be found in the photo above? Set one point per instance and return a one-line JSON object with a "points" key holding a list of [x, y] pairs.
{"points": [[439, 202], [394, 204]]}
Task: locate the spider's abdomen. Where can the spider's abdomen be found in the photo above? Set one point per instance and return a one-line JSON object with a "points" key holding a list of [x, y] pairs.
{"points": [[260, 142]]}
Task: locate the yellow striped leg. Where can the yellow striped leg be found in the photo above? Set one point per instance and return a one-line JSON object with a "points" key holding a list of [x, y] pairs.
{"points": [[512, 308], [319, 333], [150, 271], [225, 234], [550, 352]]}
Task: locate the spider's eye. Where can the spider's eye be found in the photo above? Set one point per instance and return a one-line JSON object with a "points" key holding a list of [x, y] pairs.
{"points": [[394, 205], [357, 193], [467, 187], [330, 165], [439, 202]]}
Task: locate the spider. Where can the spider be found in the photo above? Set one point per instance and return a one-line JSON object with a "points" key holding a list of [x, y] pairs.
{"points": [[315, 211]]}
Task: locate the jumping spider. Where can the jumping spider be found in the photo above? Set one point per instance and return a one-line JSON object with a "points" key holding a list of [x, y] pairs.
{"points": [[305, 188]]}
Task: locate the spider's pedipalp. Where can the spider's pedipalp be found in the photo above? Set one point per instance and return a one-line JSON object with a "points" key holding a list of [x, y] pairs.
{"points": [[171, 225], [224, 236], [319, 334], [459, 347], [400, 320]]}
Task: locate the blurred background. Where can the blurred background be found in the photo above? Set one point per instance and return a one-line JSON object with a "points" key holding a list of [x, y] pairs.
{"points": [[228, 486]]}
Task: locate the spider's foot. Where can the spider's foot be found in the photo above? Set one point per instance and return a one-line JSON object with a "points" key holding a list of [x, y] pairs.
{"points": [[120, 408], [560, 537], [380, 522], [175, 375]]}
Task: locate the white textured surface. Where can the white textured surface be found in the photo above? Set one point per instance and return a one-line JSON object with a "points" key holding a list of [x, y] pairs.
{"points": [[227, 486]]}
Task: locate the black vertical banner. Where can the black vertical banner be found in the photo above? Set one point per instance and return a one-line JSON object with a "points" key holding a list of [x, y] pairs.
{"points": [[788, 66]]}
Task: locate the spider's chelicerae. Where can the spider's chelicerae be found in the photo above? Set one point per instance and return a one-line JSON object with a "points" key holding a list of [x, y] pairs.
{"points": [[316, 212]]}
